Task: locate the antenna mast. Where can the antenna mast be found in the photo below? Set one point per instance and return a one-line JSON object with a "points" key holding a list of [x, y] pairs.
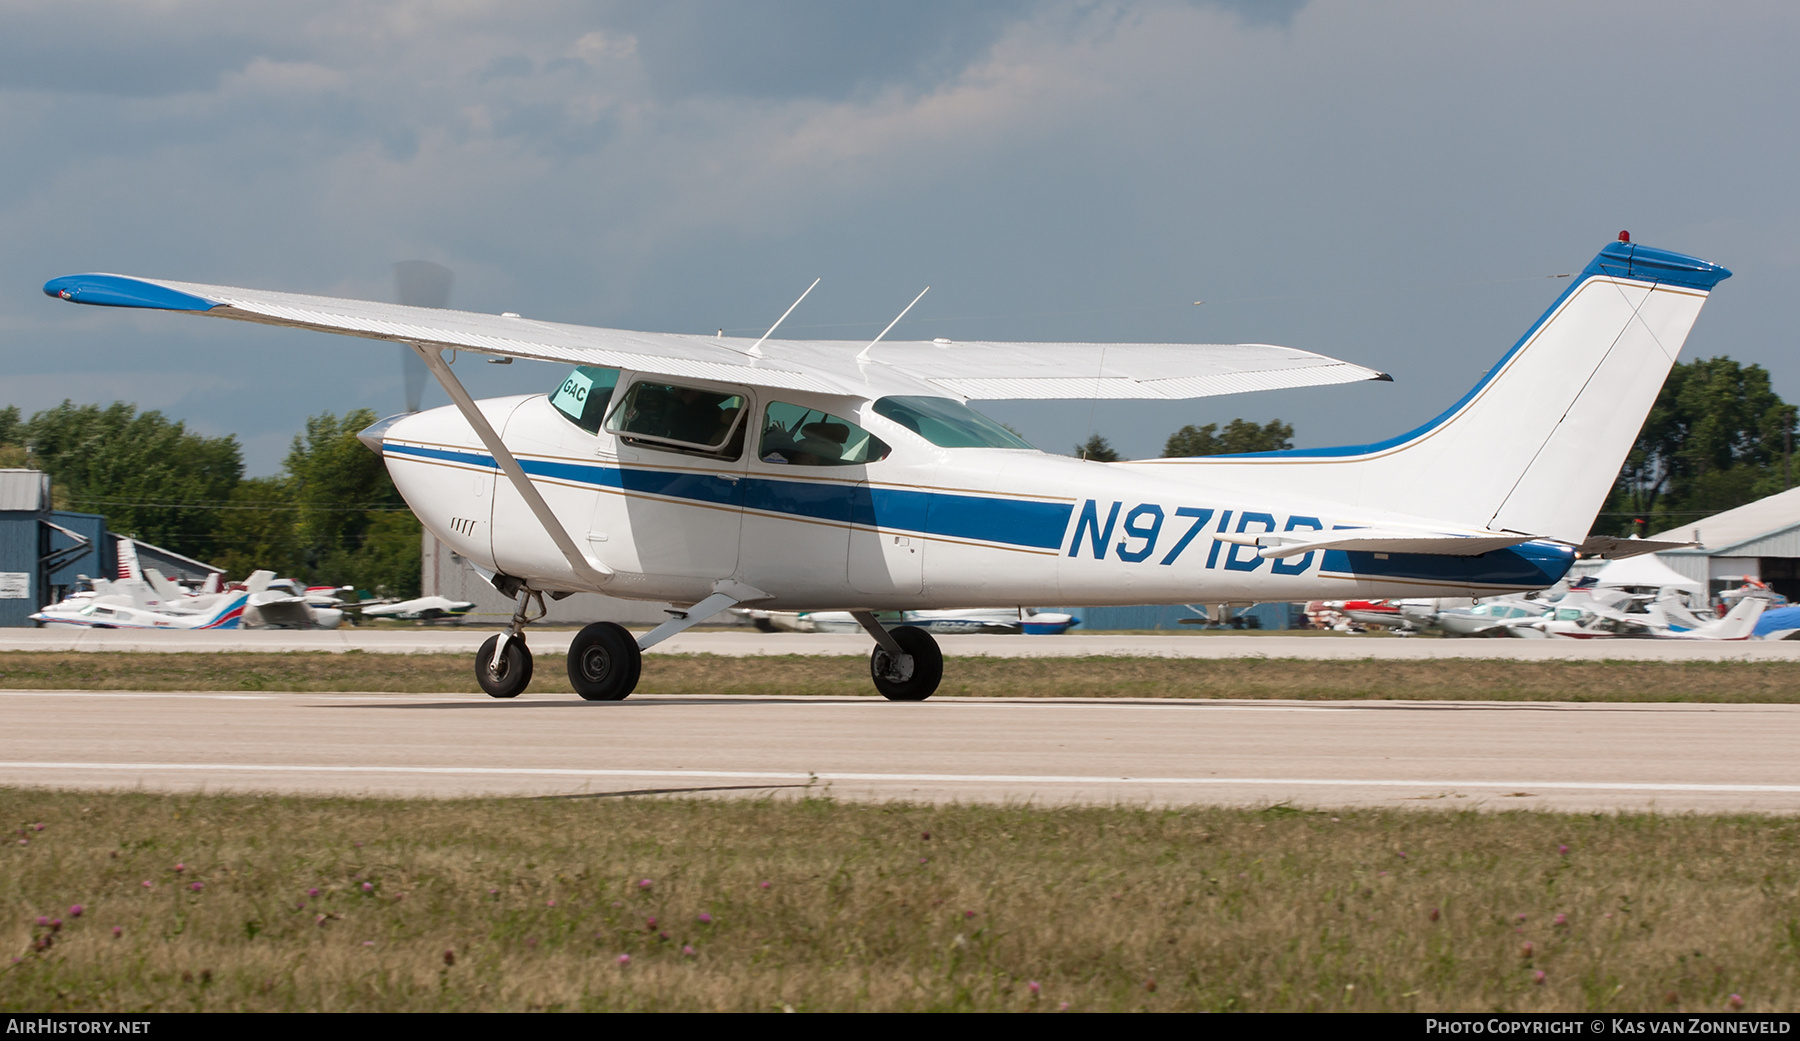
{"points": [[863, 355], [756, 348]]}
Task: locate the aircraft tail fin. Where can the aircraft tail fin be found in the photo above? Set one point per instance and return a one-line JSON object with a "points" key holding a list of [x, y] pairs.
{"points": [[1738, 623], [1535, 446], [228, 613], [128, 560], [164, 588]]}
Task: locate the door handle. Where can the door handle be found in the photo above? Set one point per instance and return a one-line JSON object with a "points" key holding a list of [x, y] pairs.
{"points": [[727, 477]]}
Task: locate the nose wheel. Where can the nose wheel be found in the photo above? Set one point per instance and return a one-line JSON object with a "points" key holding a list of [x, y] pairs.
{"points": [[911, 675], [511, 674], [503, 664]]}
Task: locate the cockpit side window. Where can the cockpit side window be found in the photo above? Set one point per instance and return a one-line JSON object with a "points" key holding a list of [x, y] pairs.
{"points": [[948, 423], [801, 436], [676, 418], [584, 395]]}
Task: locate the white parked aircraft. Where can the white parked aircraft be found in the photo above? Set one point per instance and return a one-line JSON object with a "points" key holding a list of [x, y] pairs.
{"points": [[222, 611], [1584, 619], [717, 472], [421, 609]]}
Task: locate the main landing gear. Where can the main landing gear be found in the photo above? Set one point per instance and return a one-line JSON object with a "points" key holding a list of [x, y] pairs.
{"points": [[906, 664], [605, 660]]}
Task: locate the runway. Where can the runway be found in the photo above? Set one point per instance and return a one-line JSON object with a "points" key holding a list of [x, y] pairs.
{"points": [[464, 640], [1668, 757]]}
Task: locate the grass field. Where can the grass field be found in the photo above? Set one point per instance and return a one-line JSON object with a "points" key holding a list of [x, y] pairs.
{"points": [[789, 675], [217, 902]]}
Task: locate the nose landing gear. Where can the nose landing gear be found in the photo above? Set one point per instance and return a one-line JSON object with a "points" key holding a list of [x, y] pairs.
{"points": [[503, 664], [507, 673]]}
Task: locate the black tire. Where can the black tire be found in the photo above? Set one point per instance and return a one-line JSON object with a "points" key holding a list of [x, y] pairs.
{"points": [[914, 677], [604, 662], [514, 672]]}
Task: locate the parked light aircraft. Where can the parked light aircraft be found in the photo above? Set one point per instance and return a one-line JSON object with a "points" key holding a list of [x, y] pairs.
{"points": [[421, 609], [223, 611], [716, 472], [1591, 620]]}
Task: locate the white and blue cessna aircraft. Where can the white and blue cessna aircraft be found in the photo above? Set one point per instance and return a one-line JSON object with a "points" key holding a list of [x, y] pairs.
{"points": [[716, 472]]}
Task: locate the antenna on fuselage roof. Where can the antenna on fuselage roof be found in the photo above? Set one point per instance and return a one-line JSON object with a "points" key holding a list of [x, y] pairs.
{"points": [[863, 355], [755, 350]]}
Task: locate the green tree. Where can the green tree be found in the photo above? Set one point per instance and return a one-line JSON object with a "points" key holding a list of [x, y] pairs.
{"points": [[1717, 438], [12, 436], [152, 478], [1098, 451], [1239, 436], [350, 522], [388, 562], [257, 529]]}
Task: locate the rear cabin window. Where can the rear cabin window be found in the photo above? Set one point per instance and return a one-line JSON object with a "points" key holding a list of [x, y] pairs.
{"points": [[948, 423], [801, 436], [584, 395], [681, 419]]}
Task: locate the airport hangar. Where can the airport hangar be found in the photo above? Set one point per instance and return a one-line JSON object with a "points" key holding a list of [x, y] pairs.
{"points": [[1759, 540]]}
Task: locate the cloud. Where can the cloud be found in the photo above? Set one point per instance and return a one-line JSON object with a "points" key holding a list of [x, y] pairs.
{"points": [[1344, 178]]}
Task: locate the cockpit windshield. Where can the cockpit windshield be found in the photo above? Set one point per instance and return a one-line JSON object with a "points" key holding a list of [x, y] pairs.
{"points": [[584, 395], [948, 423]]}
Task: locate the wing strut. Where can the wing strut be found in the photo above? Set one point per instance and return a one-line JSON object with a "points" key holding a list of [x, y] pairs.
{"points": [[586, 568], [726, 593]]}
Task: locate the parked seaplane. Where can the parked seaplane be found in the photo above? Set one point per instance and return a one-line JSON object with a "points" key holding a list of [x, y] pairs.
{"points": [[718, 472]]}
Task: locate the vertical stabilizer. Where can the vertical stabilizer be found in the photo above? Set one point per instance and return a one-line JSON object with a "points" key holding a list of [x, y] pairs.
{"points": [[1737, 624], [229, 614], [1536, 445]]}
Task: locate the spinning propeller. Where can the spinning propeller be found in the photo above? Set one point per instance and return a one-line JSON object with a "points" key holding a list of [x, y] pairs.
{"points": [[419, 283]]}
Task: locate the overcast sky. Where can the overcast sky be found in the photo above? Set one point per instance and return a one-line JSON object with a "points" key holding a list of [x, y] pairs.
{"points": [[1389, 183]]}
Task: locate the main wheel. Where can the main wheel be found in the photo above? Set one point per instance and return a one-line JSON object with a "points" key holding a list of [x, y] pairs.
{"points": [[604, 662], [512, 675], [913, 675]]}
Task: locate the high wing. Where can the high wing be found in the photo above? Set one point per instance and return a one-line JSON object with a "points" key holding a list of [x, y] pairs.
{"points": [[967, 370]]}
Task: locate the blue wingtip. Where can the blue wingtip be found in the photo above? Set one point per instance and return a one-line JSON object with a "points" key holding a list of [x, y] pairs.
{"points": [[120, 291]]}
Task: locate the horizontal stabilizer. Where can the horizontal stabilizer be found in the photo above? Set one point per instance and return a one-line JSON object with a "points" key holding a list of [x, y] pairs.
{"points": [[1277, 546], [1611, 547]]}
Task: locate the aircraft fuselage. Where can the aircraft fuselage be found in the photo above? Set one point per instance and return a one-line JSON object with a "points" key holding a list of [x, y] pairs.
{"points": [[926, 527]]}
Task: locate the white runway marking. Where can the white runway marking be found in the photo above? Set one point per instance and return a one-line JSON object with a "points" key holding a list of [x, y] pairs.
{"points": [[134, 694], [922, 778]]}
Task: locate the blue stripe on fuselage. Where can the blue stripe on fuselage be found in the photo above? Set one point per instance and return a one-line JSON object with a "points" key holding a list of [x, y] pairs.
{"points": [[1012, 522]]}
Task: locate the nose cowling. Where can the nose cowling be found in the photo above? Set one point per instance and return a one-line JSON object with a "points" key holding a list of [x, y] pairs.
{"points": [[375, 434]]}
